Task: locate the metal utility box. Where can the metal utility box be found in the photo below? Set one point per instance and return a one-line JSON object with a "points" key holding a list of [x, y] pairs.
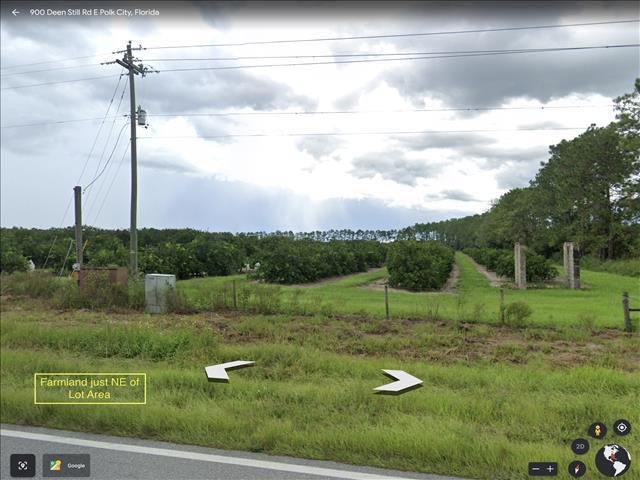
{"points": [[156, 289]]}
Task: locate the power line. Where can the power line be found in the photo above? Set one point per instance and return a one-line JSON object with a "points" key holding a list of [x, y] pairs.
{"points": [[95, 219], [325, 112], [397, 35], [56, 61], [49, 70], [371, 60], [341, 112], [255, 135], [55, 83], [349, 55], [95, 140], [40, 124], [95, 198], [109, 159]]}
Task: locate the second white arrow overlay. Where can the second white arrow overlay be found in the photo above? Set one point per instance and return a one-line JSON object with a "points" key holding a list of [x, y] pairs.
{"points": [[405, 383], [218, 373]]}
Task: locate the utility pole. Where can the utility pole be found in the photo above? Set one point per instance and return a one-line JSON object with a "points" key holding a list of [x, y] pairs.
{"points": [[77, 193], [133, 69]]}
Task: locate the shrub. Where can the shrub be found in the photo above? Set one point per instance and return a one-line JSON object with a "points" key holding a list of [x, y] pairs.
{"points": [[517, 313], [417, 265], [41, 284], [539, 269]]}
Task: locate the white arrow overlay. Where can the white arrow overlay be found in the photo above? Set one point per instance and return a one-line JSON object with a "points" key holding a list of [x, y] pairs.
{"points": [[218, 373], [405, 382]]}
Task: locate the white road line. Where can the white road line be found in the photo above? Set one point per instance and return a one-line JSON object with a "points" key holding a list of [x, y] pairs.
{"points": [[203, 457]]}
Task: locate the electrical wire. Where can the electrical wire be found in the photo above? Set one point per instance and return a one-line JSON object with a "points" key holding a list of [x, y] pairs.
{"points": [[349, 112], [111, 184], [49, 70], [108, 160], [372, 60], [397, 35], [95, 140], [56, 60], [56, 122], [326, 112], [58, 82], [418, 132], [349, 55]]}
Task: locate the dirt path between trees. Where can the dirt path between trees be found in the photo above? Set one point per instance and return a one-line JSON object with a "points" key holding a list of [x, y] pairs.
{"points": [[329, 280], [449, 286], [494, 279]]}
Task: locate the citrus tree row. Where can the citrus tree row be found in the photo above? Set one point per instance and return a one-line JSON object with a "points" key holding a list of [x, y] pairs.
{"points": [[539, 269]]}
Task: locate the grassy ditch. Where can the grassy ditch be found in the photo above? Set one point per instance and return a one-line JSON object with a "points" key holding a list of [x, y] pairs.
{"points": [[493, 399]]}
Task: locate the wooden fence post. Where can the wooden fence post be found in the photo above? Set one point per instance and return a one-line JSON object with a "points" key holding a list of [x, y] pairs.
{"points": [[502, 305], [386, 300], [627, 314]]}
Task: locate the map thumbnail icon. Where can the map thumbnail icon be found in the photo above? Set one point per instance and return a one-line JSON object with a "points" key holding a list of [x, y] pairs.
{"points": [[613, 460]]}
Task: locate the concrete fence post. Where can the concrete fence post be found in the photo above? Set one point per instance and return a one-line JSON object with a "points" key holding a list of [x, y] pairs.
{"points": [[520, 260]]}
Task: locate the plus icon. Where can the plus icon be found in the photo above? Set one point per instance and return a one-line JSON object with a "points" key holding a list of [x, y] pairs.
{"points": [[550, 468]]}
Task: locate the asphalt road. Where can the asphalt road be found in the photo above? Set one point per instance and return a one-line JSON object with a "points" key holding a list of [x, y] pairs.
{"points": [[130, 458]]}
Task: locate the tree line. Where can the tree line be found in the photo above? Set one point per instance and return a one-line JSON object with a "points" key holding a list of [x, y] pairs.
{"points": [[588, 192]]}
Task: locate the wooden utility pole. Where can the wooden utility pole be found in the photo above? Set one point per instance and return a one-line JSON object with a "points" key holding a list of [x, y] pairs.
{"points": [[133, 232], [128, 63], [77, 194]]}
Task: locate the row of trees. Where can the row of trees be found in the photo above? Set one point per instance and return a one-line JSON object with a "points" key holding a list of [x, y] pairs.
{"points": [[539, 269], [587, 192], [417, 266]]}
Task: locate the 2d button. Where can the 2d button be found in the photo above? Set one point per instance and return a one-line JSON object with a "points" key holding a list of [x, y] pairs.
{"points": [[580, 446], [598, 430], [23, 465], [622, 427], [577, 469]]}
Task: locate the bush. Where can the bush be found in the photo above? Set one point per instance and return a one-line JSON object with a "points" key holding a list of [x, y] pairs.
{"points": [[287, 261], [416, 266], [539, 269], [517, 313], [40, 284], [96, 293], [11, 261]]}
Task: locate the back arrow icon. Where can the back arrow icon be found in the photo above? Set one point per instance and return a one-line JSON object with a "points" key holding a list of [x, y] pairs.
{"points": [[405, 383], [15, 12], [218, 373]]}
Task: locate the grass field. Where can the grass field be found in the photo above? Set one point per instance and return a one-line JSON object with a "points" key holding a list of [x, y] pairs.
{"points": [[597, 304], [494, 398]]}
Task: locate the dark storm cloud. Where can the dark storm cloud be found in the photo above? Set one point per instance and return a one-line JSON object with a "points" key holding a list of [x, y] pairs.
{"points": [[541, 125], [319, 147], [458, 195], [394, 165], [184, 92], [474, 146], [493, 80], [442, 140], [166, 164]]}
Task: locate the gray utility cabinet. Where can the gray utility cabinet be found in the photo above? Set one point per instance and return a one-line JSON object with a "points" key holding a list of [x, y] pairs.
{"points": [[157, 287]]}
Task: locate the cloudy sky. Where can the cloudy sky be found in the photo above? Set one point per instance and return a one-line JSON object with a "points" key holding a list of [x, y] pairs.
{"points": [[231, 149]]}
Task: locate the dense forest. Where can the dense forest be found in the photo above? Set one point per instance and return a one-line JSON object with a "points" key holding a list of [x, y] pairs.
{"points": [[588, 192]]}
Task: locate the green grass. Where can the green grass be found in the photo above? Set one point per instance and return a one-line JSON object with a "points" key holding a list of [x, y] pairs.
{"points": [[598, 302], [494, 398], [629, 266], [476, 416]]}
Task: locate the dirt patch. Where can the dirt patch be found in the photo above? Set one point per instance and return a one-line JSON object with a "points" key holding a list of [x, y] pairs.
{"points": [[449, 286], [494, 279], [327, 281]]}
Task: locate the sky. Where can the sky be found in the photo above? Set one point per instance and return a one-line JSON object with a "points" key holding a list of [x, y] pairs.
{"points": [[255, 149]]}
